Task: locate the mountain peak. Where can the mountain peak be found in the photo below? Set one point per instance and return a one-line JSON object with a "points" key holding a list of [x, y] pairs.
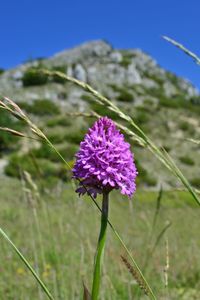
{"points": [[96, 48]]}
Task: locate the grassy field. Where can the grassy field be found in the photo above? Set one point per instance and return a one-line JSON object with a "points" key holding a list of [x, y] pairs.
{"points": [[57, 232]]}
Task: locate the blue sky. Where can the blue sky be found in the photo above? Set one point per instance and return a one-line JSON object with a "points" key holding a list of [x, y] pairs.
{"points": [[42, 28]]}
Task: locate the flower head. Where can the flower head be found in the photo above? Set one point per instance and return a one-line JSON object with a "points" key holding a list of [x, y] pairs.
{"points": [[104, 161]]}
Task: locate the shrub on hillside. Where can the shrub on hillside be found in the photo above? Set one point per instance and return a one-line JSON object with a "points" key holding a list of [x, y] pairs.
{"points": [[46, 152], [33, 76], [56, 78], [186, 160], [59, 121], [88, 98], [185, 126], [126, 59], [171, 102], [8, 141], [38, 169], [195, 182], [141, 117], [17, 164], [143, 176], [103, 111], [75, 137], [41, 107], [125, 96], [179, 101], [159, 80], [195, 100]]}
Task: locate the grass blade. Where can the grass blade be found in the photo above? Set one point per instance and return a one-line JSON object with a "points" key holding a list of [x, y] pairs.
{"points": [[46, 291], [195, 58]]}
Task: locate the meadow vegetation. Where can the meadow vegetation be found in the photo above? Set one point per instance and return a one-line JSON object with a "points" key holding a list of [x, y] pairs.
{"points": [[55, 222]]}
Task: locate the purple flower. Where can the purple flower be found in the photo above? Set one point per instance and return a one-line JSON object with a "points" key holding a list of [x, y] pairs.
{"points": [[104, 161]]}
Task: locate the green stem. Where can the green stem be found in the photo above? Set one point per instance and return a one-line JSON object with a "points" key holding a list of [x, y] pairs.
{"points": [[100, 247]]}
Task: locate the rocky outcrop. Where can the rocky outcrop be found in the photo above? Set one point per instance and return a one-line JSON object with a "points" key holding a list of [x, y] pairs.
{"points": [[103, 67]]}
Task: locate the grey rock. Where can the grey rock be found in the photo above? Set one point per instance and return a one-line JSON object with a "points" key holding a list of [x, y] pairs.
{"points": [[169, 89], [80, 73], [149, 83], [17, 75], [18, 84], [116, 57], [89, 51], [188, 88], [132, 75], [3, 163], [99, 64], [70, 71], [143, 61]]}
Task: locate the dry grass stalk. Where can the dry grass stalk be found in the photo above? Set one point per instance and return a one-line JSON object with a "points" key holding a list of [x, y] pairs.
{"points": [[135, 275]]}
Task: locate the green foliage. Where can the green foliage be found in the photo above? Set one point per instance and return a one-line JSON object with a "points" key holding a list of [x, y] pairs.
{"points": [[1, 71], [33, 76], [153, 77], [41, 107], [125, 96], [148, 102], [167, 148], [87, 98], [115, 87], [175, 102], [143, 176], [56, 78], [187, 160], [38, 169], [195, 182], [61, 69], [173, 78], [155, 92], [141, 117], [46, 152], [74, 137], [56, 138], [126, 59], [7, 140], [185, 126], [59, 121], [44, 107], [150, 181], [103, 111], [195, 100]]}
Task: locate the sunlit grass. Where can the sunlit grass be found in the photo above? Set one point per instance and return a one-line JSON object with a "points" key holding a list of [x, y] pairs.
{"points": [[68, 254]]}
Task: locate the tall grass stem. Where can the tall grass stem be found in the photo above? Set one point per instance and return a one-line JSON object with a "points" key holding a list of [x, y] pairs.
{"points": [[43, 286]]}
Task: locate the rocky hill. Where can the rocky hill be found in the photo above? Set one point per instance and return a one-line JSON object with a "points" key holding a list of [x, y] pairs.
{"points": [[165, 106]]}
